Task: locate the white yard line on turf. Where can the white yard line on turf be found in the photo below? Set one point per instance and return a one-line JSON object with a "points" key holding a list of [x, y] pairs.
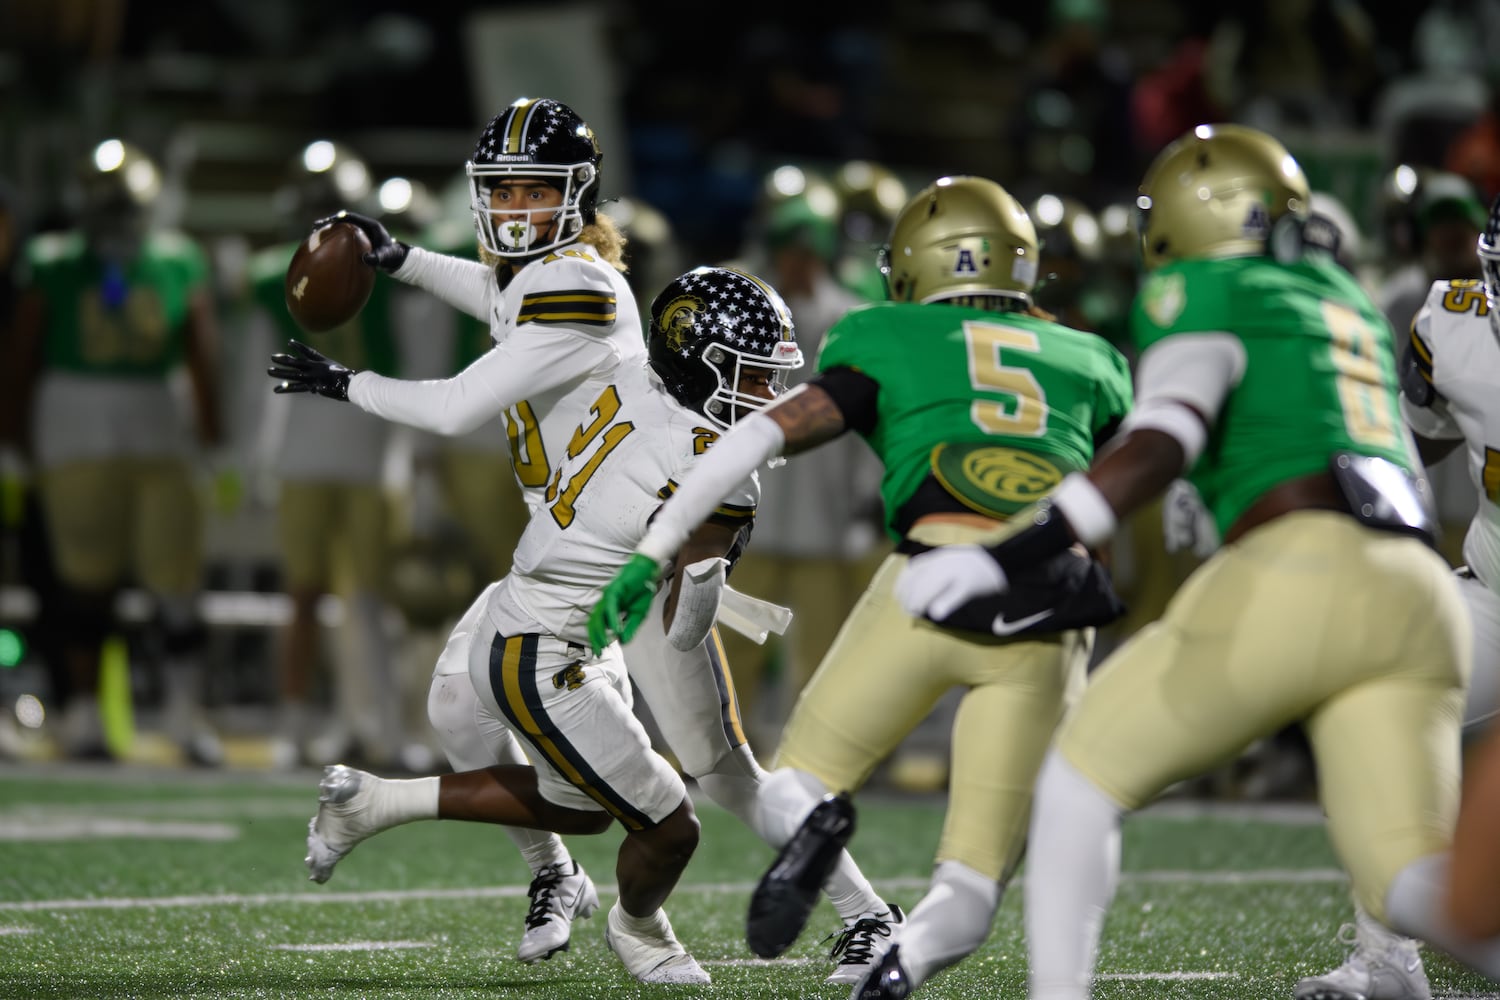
{"points": [[356, 946], [107, 828], [1267, 877]]}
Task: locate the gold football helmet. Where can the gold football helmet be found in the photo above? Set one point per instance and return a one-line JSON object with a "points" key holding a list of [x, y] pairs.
{"points": [[1216, 192], [960, 237]]}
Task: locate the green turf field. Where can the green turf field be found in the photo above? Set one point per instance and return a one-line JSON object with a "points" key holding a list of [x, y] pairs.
{"points": [[157, 884]]}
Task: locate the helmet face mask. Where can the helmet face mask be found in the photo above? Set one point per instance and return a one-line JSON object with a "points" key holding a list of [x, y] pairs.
{"points": [[715, 329], [536, 140], [961, 238], [1217, 192], [1489, 264]]}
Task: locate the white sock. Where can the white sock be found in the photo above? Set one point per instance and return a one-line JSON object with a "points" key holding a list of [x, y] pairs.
{"points": [[1072, 866], [1414, 903], [402, 800], [1374, 935], [950, 922], [737, 783], [786, 797]]}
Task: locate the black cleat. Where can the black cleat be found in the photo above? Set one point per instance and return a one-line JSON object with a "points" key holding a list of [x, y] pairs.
{"points": [[888, 980], [789, 889]]}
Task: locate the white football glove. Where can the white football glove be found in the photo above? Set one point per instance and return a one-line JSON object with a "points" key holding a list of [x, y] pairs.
{"points": [[1186, 523], [937, 583]]}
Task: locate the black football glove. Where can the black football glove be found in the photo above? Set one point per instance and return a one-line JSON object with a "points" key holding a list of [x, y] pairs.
{"points": [[386, 252], [305, 370]]}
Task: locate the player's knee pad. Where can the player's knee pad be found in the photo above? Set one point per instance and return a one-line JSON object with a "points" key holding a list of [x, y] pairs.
{"points": [[734, 785], [451, 705], [786, 797]]}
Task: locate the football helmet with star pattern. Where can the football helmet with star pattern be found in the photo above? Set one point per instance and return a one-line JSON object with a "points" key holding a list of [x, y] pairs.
{"points": [[710, 325], [961, 238], [536, 139], [1216, 192]]}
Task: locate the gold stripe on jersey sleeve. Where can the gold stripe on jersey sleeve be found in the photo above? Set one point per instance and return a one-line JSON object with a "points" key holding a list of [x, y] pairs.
{"points": [[1421, 353], [579, 306]]}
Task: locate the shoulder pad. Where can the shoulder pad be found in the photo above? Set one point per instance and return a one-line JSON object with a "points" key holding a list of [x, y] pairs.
{"points": [[571, 287]]}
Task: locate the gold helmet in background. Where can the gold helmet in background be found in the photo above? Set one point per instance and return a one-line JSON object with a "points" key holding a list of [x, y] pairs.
{"points": [[961, 237], [1216, 192]]}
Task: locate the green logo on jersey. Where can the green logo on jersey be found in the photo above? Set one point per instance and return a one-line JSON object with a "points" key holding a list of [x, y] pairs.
{"points": [[1164, 298]]}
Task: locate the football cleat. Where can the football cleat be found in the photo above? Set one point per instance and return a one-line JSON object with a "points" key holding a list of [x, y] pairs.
{"points": [[349, 810], [1376, 970], [558, 898], [859, 946], [655, 956], [887, 981], [789, 889]]}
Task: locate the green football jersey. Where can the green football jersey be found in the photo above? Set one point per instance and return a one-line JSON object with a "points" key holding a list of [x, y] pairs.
{"points": [[365, 343], [1319, 374], [998, 406], [117, 321]]}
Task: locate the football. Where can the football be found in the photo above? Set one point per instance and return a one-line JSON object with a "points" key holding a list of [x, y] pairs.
{"points": [[327, 283]]}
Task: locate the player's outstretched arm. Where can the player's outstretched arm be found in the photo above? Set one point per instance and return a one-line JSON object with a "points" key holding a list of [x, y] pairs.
{"points": [[304, 369]]}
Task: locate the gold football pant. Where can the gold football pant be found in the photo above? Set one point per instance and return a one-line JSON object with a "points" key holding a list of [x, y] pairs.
{"points": [[1361, 635], [111, 518], [884, 674]]}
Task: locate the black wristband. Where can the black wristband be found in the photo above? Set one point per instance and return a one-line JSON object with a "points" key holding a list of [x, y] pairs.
{"points": [[1046, 536]]}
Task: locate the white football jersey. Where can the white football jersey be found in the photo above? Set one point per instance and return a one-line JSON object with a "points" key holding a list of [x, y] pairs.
{"points": [[619, 464], [563, 328], [1458, 352]]}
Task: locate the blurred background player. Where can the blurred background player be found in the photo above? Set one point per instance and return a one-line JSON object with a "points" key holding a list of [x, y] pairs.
{"points": [[333, 521], [976, 403], [817, 533], [111, 314]]}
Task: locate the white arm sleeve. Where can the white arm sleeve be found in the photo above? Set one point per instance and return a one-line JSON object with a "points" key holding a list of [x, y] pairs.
{"points": [[1197, 368], [463, 284], [713, 477], [529, 362], [1181, 377]]}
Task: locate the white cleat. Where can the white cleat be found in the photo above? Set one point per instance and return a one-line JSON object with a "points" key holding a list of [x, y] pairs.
{"points": [[558, 897], [348, 812], [860, 946], [1389, 969], [655, 956]]}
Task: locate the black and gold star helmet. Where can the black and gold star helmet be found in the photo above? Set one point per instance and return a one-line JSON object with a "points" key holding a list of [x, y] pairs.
{"points": [[542, 139], [707, 327], [1216, 192], [961, 238]]}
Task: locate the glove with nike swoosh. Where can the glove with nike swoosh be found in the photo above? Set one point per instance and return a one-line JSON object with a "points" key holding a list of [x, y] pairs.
{"points": [[936, 583]]}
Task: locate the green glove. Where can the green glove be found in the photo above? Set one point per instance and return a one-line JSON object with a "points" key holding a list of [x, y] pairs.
{"points": [[624, 603]]}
